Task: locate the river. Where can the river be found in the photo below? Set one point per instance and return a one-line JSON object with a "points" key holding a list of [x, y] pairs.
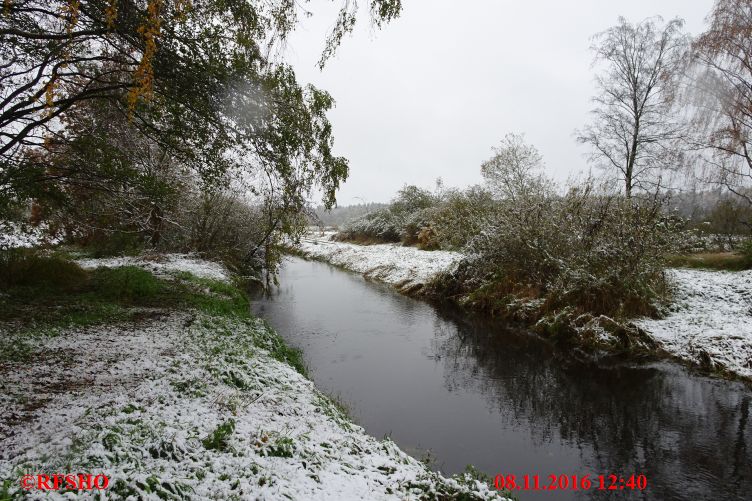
{"points": [[472, 391]]}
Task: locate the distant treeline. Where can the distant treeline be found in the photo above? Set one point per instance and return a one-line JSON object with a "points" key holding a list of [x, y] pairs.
{"points": [[337, 217]]}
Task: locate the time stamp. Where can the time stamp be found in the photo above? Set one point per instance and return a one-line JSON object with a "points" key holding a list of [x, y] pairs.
{"points": [[570, 482]]}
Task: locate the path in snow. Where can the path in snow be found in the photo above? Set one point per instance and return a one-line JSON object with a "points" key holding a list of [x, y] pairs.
{"points": [[139, 401]]}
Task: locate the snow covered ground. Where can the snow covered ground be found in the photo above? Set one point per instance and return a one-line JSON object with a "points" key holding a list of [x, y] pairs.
{"points": [[711, 317], [14, 235], [191, 405], [406, 268], [163, 264], [181, 404]]}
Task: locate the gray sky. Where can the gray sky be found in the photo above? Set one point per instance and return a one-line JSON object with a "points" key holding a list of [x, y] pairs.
{"points": [[430, 94]]}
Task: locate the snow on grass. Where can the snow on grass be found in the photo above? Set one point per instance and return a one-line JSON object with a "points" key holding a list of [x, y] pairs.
{"points": [[163, 264], [405, 267], [15, 235], [189, 405], [710, 319]]}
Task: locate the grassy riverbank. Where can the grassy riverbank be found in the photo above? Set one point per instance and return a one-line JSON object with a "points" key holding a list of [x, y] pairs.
{"points": [[164, 382]]}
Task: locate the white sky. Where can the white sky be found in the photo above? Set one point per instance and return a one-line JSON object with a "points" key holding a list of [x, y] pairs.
{"points": [[430, 94]]}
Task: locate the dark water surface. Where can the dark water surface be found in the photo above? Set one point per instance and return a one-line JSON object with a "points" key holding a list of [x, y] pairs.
{"points": [[474, 392]]}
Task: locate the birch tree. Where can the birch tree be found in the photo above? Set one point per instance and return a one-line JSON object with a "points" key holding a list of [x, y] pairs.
{"points": [[632, 133], [723, 108]]}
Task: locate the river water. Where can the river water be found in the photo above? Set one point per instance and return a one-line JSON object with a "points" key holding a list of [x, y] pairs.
{"points": [[471, 391]]}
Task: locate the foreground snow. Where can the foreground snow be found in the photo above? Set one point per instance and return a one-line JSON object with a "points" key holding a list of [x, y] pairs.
{"points": [[406, 268], [182, 405], [143, 403], [163, 264], [710, 320]]}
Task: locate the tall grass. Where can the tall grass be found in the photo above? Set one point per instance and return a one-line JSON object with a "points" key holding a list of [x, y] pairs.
{"points": [[27, 268]]}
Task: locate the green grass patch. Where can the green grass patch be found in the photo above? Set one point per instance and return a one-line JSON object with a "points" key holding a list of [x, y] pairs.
{"points": [[26, 268], [127, 284], [287, 354], [218, 440], [32, 310], [728, 261], [215, 297], [42, 292]]}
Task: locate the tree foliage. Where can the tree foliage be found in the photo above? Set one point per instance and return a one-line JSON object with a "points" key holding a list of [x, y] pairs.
{"points": [[515, 167], [723, 113], [111, 110]]}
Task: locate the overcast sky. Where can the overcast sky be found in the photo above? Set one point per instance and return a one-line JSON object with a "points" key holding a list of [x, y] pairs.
{"points": [[430, 94]]}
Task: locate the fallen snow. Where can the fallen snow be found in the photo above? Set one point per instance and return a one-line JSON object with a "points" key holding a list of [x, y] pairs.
{"points": [[137, 401], [711, 314], [405, 267], [15, 235], [163, 264]]}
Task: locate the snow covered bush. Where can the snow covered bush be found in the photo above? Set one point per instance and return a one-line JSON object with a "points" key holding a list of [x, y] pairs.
{"points": [[446, 219], [418, 229], [401, 221], [534, 252], [595, 251], [377, 226], [224, 226], [462, 215]]}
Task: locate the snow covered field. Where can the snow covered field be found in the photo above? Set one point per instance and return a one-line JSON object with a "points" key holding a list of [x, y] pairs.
{"points": [[404, 267], [711, 317]]}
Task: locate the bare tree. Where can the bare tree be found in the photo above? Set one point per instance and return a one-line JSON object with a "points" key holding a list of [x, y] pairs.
{"points": [[723, 108], [632, 132], [515, 168]]}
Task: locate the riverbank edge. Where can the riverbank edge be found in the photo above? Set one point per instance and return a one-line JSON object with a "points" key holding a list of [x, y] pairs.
{"points": [[192, 381], [606, 339]]}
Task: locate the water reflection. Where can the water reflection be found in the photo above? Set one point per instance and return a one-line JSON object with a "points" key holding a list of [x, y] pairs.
{"points": [[679, 430], [473, 391]]}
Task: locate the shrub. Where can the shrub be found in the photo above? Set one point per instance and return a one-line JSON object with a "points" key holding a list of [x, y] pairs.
{"points": [[462, 215], [25, 267], [746, 252], [410, 200], [416, 222], [446, 220], [126, 283], [378, 226], [593, 250]]}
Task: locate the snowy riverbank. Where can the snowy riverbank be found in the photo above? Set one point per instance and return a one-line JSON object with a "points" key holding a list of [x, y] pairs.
{"points": [[163, 265], [186, 404], [407, 268], [710, 321]]}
